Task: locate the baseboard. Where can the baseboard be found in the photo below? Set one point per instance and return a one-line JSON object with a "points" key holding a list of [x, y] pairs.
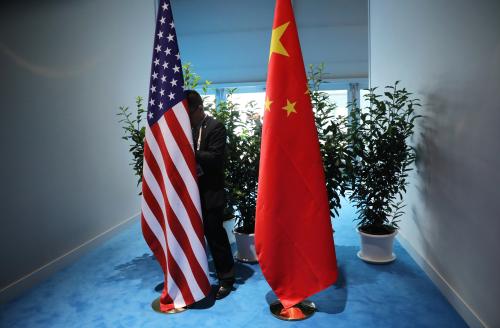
{"points": [[28, 281], [467, 313]]}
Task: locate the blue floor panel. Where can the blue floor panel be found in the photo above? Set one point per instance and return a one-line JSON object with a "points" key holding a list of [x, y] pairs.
{"points": [[113, 286]]}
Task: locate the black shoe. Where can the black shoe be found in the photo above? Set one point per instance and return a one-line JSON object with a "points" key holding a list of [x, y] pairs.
{"points": [[223, 290]]}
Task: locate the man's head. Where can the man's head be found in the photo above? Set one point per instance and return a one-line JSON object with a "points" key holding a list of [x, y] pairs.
{"points": [[195, 107]]}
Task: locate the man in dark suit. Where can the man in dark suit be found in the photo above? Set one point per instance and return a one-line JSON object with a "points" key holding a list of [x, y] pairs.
{"points": [[209, 138]]}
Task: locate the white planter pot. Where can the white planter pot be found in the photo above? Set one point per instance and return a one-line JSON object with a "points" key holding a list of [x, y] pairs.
{"points": [[377, 248], [246, 247]]}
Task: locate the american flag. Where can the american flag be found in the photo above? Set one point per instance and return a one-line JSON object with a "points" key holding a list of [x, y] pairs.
{"points": [[171, 212]]}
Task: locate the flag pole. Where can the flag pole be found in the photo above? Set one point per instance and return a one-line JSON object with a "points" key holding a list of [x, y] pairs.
{"points": [[301, 311]]}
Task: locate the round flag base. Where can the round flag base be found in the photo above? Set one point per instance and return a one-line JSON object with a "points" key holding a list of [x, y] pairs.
{"points": [[156, 306], [301, 311]]}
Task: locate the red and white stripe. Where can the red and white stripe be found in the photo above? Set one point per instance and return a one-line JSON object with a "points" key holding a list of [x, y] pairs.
{"points": [[171, 210]]}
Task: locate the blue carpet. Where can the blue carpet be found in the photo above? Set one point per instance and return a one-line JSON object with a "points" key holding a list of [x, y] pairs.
{"points": [[113, 286]]}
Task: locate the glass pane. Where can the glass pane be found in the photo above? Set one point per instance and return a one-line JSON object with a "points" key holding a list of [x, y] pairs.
{"points": [[363, 102], [208, 101], [243, 100], [340, 98]]}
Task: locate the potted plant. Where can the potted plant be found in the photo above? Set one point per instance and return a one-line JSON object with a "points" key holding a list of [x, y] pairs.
{"points": [[382, 157], [332, 139], [249, 140], [242, 170]]}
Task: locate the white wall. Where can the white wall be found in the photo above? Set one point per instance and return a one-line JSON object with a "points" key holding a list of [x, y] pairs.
{"points": [[448, 52], [65, 67]]}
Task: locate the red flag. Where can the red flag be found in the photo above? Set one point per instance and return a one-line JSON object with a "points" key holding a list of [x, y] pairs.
{"points": [[293, 233]]}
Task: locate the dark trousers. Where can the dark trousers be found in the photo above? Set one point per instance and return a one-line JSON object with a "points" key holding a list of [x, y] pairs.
{"points": [[218, 242]]}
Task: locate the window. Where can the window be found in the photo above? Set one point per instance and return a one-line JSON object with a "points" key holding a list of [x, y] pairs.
{"points": [[363, 102], [243, 99], [246, 93], [208, 101], [339, 97]]}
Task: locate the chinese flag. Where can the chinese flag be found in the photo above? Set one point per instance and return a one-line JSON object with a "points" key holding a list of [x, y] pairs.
{"points": [[293, 232]]}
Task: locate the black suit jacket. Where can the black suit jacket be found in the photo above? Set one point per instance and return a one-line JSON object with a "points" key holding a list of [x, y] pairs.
{"points": [[211, 157]]}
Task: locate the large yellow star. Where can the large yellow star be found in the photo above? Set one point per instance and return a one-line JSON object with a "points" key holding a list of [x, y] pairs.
{"points": [[268, 104], [289, 108], [276, 45]]}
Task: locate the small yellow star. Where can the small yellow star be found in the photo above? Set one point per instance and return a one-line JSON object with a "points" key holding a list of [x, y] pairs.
{"points": [[268, 104], [307, 89], [289, 108], [276, 45]]}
